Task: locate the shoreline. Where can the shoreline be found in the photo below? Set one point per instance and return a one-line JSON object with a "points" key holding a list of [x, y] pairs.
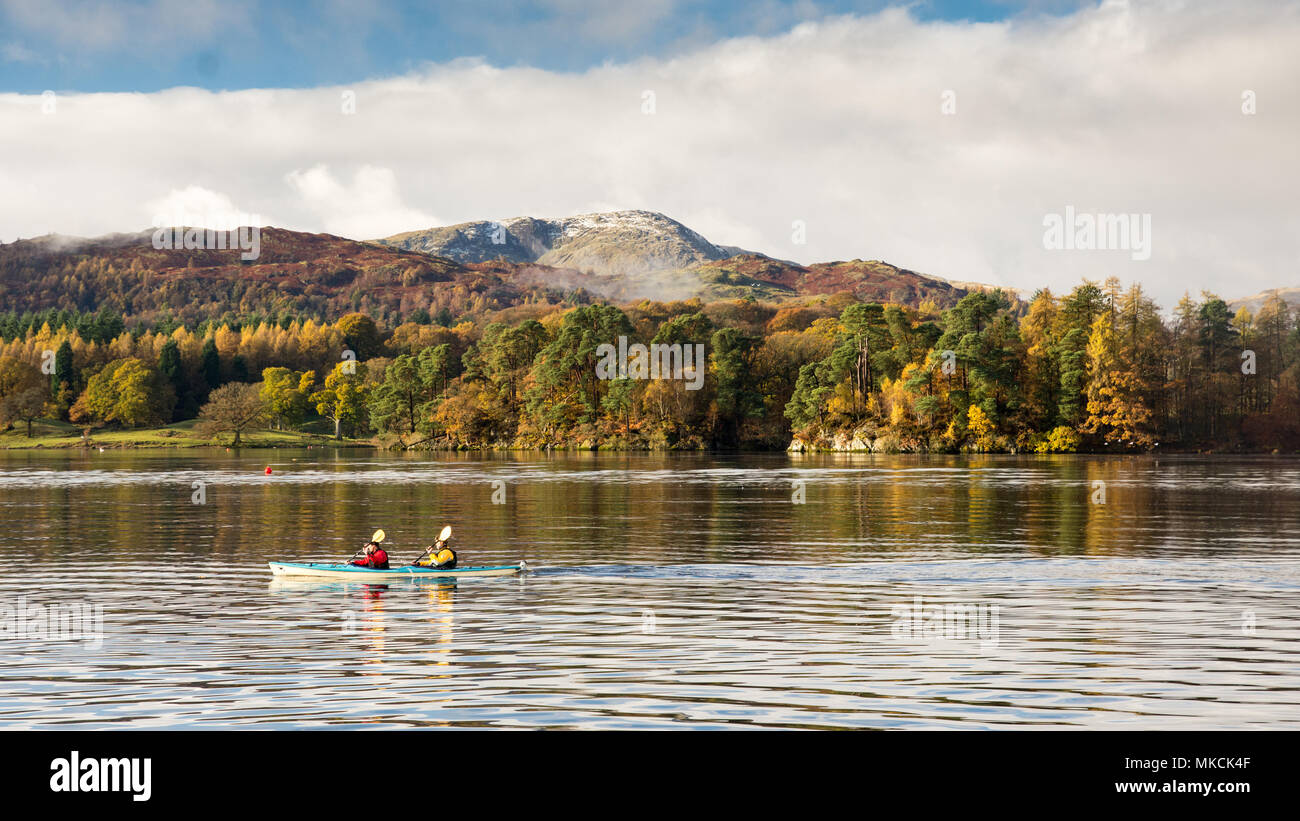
{"points": [[332, 444], [50, 435]]}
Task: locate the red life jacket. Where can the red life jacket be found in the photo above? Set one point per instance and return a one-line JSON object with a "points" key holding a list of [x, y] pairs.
{"points": [[377, 560]]}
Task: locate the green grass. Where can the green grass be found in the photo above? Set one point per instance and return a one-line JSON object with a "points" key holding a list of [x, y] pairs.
{"points": [[49, 433]]}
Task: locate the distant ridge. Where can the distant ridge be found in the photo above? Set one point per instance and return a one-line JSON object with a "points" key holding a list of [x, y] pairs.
{"points": [[469, 268], [628, 255], [1291, 296]]}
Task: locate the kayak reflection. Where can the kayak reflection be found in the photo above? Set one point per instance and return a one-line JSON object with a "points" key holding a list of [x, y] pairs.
{"points": [[438, 593], [372, 622], [441, 598]]}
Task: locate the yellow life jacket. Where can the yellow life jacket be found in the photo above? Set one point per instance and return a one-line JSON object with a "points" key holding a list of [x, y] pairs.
{"points": [[438, 559]]}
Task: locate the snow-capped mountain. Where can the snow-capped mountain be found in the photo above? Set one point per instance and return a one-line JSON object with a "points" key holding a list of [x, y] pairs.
{"points": [[614, 243]]}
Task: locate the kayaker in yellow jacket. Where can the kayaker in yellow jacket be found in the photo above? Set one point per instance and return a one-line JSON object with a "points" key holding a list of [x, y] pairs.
{"points": [[438, 554]]}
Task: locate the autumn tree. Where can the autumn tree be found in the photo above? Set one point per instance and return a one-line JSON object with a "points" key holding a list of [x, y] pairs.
{"points": [[1116, 409], [127, 392], [360, 334], [232, 408], [566, 387], [343, 398], [24, 393], [285, 394], [503, 358]]}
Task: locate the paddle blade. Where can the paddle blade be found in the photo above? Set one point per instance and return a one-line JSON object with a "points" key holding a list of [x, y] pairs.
{"points": [[378, 537], [445, 534]]}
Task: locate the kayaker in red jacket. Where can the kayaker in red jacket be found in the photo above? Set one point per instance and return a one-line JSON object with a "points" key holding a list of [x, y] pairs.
{"points": [[376, 557]]}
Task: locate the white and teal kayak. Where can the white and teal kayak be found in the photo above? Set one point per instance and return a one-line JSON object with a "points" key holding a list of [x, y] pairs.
{"points": [[350, 572]]}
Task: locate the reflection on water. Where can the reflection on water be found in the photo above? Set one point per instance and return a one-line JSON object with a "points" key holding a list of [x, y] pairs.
{"points": [[670, 591]]}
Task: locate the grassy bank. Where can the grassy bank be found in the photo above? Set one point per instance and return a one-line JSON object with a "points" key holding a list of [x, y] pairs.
{"points": [[54, 434]]}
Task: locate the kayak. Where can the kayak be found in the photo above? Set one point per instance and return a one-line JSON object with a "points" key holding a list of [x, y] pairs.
{"points": [[353, 573]]}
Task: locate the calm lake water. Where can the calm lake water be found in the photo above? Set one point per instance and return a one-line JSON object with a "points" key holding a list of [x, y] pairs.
{"points": [[668, 591]]}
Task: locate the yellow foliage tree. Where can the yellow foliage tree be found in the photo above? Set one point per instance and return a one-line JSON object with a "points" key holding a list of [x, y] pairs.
{"points": [[982, 427]]}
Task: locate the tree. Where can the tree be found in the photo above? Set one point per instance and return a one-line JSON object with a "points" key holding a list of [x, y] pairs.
{"points": [[344, 397], [1117, 410], [210, 364], [1217, 344], [503, 358], [24, 393], [169, 367], [1216, 334], [285, 395], [982, 427], [360, 334], [127, 392], [395, 403], [988, 355], [1271, 330], [1043, 377], [64, 370], [963, 325], [618, 402], [233, 407], [807, 405], [567, 389], [1184, 411], [107, 325], [737, 398], [1072, 330], [866, 346]]}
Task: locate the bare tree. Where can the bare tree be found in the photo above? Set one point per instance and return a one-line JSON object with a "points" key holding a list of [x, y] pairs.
{"points": [[233, 407]]}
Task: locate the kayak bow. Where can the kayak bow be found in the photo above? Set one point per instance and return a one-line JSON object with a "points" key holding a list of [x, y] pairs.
{"points": [[352, 572]]}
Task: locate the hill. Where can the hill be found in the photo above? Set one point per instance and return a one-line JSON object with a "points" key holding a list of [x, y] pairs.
{"points": [[450, 272], [296, 273], [1291, 296], [629, 255], [611, 244], [870, 281]]}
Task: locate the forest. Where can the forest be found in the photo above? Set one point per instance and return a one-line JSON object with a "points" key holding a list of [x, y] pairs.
{"points": [[1100, 368]]}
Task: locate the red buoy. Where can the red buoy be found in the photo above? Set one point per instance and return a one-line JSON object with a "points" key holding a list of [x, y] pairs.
{"points": [[268, 470]]}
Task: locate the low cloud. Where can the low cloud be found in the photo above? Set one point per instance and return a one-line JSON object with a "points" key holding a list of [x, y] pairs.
{"points": [[366, 208], [195, 206]]}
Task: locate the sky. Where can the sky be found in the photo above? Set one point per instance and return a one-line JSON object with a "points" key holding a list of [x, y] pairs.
{"points": [[151, 45], [944, 137]]}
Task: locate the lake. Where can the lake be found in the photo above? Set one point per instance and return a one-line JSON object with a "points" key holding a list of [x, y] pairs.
{"points": [[667, 591]]}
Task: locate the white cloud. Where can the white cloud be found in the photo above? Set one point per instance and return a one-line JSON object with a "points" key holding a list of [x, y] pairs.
{"points": [[195, 206], [1129, 108], [367, 208]]}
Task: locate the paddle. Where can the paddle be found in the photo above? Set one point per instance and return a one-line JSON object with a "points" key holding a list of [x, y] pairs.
{"points": [[378, 538], [442, 537]]}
